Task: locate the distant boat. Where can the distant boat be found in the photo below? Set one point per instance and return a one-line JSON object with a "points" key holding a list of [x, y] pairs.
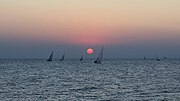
{"points": [[165, 57], [99, 59], [81, 58], [145, 58], [157, 59], [51, 57], [62, 58]]}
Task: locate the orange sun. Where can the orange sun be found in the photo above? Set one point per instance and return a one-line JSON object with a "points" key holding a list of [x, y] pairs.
{"points": [[90, 51]]}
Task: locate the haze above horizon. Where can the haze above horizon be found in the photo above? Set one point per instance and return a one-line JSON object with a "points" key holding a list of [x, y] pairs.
{"points": [[127, 28]]}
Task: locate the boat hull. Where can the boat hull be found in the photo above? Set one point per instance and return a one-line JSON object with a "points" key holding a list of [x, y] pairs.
{"points": [[97, 62], [48, 60], [158, 60]]}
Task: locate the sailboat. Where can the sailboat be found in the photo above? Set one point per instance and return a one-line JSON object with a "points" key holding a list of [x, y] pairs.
{"points": [[62, 58], [165, 57], [81, 58], [157, 59], [99, 59], [145, 58], [51, 57]]}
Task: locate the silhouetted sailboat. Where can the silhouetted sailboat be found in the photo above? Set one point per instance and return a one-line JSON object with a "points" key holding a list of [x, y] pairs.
{"points": [[99, 59], [81, 58], [62, 58], [157, 59], [145, 58], [51, 57]]}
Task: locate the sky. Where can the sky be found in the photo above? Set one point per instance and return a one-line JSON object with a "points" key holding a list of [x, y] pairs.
{"points": [[126, 28]]}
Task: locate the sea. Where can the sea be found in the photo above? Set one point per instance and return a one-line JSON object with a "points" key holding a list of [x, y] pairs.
{"points": [[72, 80]]}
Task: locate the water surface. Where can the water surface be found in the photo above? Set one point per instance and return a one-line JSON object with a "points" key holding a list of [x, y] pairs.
{"points": [[113, 80]]}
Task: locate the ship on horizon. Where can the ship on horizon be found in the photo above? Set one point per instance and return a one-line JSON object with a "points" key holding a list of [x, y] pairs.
{"points": [[99, 59], [50, 57]]}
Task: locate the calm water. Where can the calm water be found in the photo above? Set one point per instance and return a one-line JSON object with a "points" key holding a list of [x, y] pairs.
{"points": [[114, 80]]}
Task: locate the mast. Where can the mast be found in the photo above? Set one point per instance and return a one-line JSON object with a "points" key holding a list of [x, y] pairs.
{"points": [[102, 52]]}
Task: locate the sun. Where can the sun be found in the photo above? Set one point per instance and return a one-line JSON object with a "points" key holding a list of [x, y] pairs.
{"points": [[90, 51]]}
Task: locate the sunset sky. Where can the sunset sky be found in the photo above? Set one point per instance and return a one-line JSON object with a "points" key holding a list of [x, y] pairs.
{"points": [[127, 28]]}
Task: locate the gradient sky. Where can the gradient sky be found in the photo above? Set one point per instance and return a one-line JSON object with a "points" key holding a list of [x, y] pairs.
{"points": [[127, 28]]}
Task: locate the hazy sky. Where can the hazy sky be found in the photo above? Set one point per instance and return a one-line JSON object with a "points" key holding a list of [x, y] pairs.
{"points": [[127, 28]]}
